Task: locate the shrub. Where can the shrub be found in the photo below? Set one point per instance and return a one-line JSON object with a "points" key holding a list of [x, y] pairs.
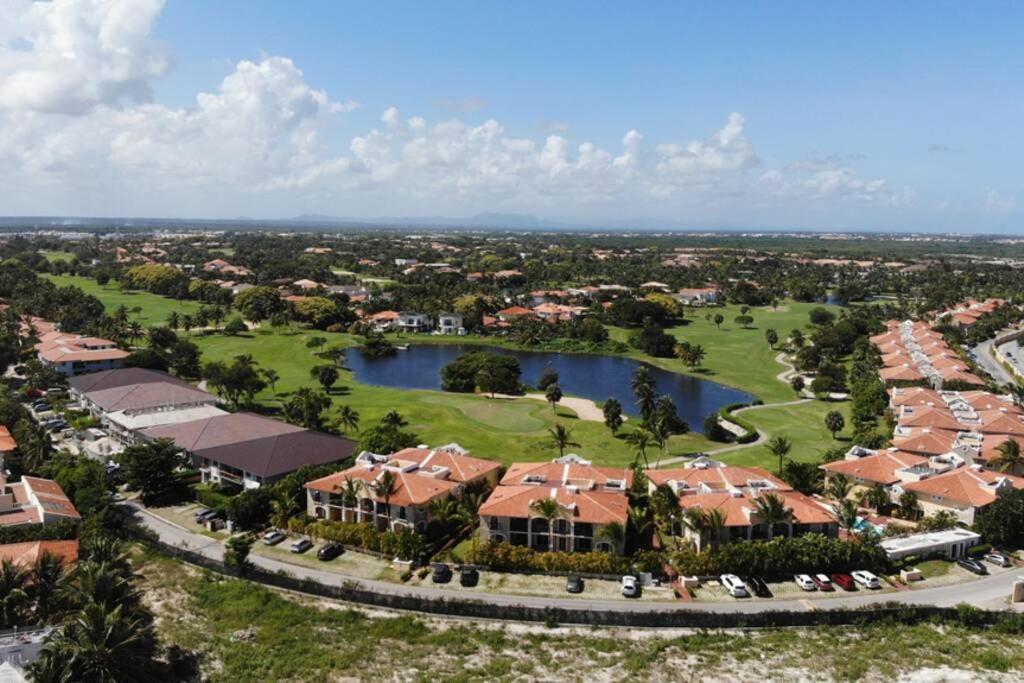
{"points": [[211, 497], [505, 556], [810, 553], [404, 544]]}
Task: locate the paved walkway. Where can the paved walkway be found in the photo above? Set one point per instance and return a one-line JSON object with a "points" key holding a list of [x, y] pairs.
{"points": [[991, 592]]}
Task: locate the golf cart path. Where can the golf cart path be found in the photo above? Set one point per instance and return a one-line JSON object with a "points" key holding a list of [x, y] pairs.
{"points": [[990, 592]]}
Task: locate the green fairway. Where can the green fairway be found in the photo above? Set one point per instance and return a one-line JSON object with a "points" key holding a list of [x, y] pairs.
{"points": [[52, 256], [149, 309], [502, 429]]}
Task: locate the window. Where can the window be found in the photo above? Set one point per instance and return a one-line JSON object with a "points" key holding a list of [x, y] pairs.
{"points": [[604, 547], [493, 523], [520, 524], [561, 526], [498, 538], [401, 512], [319, 512]]}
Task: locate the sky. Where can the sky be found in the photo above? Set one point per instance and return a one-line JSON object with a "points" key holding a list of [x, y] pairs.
{"points": [[786, 115]]}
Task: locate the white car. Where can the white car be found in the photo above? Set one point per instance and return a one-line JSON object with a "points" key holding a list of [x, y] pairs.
{"points": [[273, 537], [736, 588], [630, 586], [805, 582], [866, 579]]}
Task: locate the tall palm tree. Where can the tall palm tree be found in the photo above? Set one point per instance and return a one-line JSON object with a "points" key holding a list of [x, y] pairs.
{"points": [[49, 585], [878, 498], [772, 510], [838, 486], [779, 446], [99, 644], [135, 331], [348, 418], [394, 419], [642, 385], [282, 508], [548, 509], [847, 515], [641, 439], [561, 438], [174, 320], [640, 520], [104, 585], [385, 486], [715, 518], [14, 598], [349, 495], [271, 376], [695, 519], [909, 508], [1010, 458]]}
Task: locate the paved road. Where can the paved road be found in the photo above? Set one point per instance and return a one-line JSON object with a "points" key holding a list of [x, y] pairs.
{"points": [[991, 592], [984, 358]]}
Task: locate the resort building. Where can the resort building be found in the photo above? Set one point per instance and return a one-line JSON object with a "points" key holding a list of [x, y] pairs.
{"points": [[450, 323], [72, 354], [966, 491], [417, 476], [33, 501], [413, 322]]}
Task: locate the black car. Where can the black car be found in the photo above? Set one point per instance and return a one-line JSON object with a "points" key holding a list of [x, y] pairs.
{"points": [[442, 573], [330, 551], [574, 584], [759, 586], [972, 566], [469, 576]]}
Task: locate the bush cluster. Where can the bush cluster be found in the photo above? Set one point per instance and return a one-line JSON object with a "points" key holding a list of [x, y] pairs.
{"points": [[508, 557], [810, 553]]}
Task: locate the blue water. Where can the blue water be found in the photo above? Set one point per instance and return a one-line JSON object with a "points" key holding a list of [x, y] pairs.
{"points": [[590, 376]]}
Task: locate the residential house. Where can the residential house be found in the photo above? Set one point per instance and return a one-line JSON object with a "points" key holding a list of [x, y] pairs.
{"points": [[28, 553], [413, 322], [383, 321], [72, 354], [7, 445], [33, 501], [513, 313], [421, 476], [698, 296], [248, 450], [587, 502], [450, 323], [965, 491]]}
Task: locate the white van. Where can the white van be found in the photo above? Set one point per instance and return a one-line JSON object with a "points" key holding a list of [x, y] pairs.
{"points": [[732, 583], [866, 579]]}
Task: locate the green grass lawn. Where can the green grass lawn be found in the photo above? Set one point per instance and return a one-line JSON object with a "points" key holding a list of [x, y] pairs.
{"points": [[803, 424], [52, 256], [149, 309]]}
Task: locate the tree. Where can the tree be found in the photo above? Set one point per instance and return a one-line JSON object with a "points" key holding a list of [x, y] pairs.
{"points": [[779, 446], [642, 385], [385, 439], [719, 319], [306, 407], [744, 321], [271, 376], [553, 396], [908, 507], [772, 511], [878, 498], [238, 383], [547, 378], [236, 551], [491, 372], [49, 586], [348, 419], [848, 515], [1009, 458], [385, 486], [235, 327], [772, 336], [613, 534], [316, 343], [14, 597], [1003, 521], [174, 320], [838, 486], [561, 438], [394, 419], [797, 384], [796, 339], [260, 303], [821, 317], [326, 375], [805, 477], [641, 440], [612, 410], [547, 508], [149, 467], [834, 422]]}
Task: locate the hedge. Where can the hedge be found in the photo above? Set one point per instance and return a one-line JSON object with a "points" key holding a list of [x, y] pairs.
{"points": [[726, 414], [211, 497], [504, 556], [807, 554], [404, 544]]}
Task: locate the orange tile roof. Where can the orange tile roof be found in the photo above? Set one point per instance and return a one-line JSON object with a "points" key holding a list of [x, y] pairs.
{"points": [[930, 416], [925, 442], [901, 396], [879, 468], [7, 442], [729, 476], [514, 311], [740, 510], [1000, 422], [594, 507], [902, 373], [463, 468], [26, 554], [964, 485], [410, 488], [559, 474]]}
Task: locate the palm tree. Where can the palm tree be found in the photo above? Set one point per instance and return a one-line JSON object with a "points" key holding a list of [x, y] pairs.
{"points": [[283, 508], [187, 322], [271, 377], [393, 419], [772, 510], [1009, 458], [779, 446], [50, 583], [641, 440], [838, 486], [909, 509], [447, 511], [695, 519], [348, 418], [14, 599], [561, 438], [98, 645], [878, 498], [385, 486], [614, 534], [548, 509], [847, 515], [349, 496], [640, 519], [135, 331], [105, 585], [715, 518], [642, 385]]}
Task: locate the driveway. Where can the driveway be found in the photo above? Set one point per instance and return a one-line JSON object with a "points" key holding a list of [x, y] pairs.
{"points": [[990, 592]]}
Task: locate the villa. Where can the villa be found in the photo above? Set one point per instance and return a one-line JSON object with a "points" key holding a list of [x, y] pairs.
{"points": [[72, 354]]}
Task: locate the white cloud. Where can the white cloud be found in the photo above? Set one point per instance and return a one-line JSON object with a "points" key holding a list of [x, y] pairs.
{"points": [[69, 56], [831, 177], [996, 203]]}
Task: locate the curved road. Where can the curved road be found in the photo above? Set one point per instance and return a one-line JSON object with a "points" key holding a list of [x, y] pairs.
{"points": [[991, 592]]}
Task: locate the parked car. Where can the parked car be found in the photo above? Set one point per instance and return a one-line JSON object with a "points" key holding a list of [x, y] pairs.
{"points": [[630, 587], [442, 573], [301, 545], [999, 560], [823, 582], [805, 582], [469, 575], [734, 586], [54, 391], [972, 566], [330, 551], [866, 579], [41, 406], [205, 515], [759, 586], [273, 537], [844, 581], [574, 584]]}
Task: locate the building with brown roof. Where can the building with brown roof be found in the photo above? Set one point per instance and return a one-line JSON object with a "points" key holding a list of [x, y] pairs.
{"points": [[7, 444], [966, 491], [421, 476], [33, 501], [27, 554], [249, 450], [72, 354]]}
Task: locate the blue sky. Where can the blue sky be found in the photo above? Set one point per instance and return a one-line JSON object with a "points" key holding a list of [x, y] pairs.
{"points": [[850, 115]]}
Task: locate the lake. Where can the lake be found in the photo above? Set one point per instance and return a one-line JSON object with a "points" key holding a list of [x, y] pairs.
{"points": [[590, 376]]}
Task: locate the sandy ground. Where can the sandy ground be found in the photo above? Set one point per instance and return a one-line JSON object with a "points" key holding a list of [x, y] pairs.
{"points": [[584, 408]]}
